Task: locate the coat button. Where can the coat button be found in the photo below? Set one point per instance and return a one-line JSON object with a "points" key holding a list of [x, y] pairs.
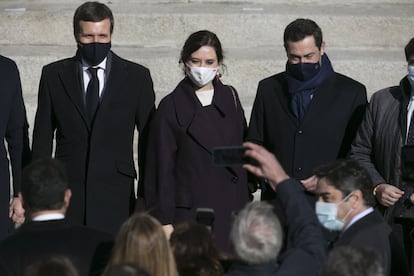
{"points": [[300, 132], [234, 179]]}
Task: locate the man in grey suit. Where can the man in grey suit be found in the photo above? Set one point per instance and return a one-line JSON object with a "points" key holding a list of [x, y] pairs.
{"points": [[91, 104]]}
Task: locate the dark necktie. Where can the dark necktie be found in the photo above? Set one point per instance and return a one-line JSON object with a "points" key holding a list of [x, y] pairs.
{"points": [[92, 94], [410, 135]]}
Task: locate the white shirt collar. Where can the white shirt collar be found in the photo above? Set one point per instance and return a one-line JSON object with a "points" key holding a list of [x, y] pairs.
{"points": [[359, 216], [101, 65], [44, 217]]}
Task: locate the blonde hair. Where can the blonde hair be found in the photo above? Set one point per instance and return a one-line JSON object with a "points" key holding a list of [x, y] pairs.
{"points": [[142, 241]]}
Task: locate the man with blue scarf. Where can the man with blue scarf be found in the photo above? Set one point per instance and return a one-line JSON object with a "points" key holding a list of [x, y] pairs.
{"points": [[307, 115]]}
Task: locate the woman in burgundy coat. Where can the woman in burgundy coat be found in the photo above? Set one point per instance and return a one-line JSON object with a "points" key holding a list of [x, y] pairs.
{"points": [[200, 114]]}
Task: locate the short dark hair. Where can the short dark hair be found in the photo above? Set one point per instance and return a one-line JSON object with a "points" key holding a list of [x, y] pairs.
{"points": [[299, 29], [44, 183], [353, 261], [52, 265], [347, 176], [198, 39], [93, 12], [409, 49]]}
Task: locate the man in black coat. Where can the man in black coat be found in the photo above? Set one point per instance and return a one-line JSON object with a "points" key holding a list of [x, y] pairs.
{"points": [[345, 205], [256, 232], [307, 115], [91, 104], [46, 196], [13, 130]]}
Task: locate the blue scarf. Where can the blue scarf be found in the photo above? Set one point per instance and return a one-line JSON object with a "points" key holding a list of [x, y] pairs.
{"points": [[302, 91]]}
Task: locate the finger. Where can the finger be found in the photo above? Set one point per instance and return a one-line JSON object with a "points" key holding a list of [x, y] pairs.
{"points": [[253, 169]]}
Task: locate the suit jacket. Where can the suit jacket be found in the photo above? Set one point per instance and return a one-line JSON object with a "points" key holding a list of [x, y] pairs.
{"points": [[13, 130], [373, 232], [99, 159], [88, 249], [307, 251], [180, 173], [324, 134]]}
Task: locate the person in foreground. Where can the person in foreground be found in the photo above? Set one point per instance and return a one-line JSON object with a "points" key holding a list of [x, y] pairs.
{"points": [[318, 109], [14, 149], [141, 241], [256, 233], [387, 128], [90, 105], [345, 204], [46, 196], [200, 114], [351, 260]]}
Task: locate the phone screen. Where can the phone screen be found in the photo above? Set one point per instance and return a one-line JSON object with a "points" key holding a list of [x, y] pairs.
{"points": [[229, 156]]}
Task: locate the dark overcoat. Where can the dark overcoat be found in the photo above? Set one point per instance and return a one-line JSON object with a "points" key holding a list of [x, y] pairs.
{"points": [[88, 249], [99, 159], [13, 130], [324, 134], [180, 173]]}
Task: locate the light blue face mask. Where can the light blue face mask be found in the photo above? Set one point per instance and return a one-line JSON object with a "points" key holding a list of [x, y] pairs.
{"points": [[410, 75], [327, 214]]}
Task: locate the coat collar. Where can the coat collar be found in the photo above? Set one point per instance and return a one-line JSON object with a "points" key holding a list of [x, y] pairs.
{"points": [[187, 103], [70, 75], [202, 125]]}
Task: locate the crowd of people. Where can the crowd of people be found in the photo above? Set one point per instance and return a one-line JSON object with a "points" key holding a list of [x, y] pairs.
{"points": [[328, 163]]}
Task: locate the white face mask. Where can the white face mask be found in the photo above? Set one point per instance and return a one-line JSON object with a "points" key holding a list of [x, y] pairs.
{"points": [[201, 76], [327, 215], [410, 75]]}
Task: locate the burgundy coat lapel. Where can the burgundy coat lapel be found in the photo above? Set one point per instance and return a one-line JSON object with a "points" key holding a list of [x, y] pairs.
{"points": [[202, 125]]}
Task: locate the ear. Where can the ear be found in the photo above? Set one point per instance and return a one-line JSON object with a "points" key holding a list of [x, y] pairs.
{"points": [[357, 199], [66, 200], [322, 50]]}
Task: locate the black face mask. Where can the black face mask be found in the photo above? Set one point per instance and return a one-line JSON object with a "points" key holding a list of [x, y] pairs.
{"points": [[95, 52], [303, 71]]}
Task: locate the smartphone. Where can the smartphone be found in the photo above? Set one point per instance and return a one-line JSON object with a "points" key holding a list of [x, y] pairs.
{"points": [[407, 163], [205, 216], [229, 156]]}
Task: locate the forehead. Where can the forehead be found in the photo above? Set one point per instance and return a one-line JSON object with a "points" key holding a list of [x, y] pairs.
{"points": [[305, 45], [325, 189], [100, 26], [205, 52]]}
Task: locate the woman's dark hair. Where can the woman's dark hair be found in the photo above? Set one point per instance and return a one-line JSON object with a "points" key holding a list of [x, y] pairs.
{"points": [[198, 39], [194, 250]]}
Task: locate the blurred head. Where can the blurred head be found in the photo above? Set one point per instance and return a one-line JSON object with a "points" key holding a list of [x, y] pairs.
{"points": [[45, 186], [194, 250], [353, 261], [347, 185], [55, 265], [256, 233], [90, 13], [303, 41], [142, 241], [125, 269]]}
